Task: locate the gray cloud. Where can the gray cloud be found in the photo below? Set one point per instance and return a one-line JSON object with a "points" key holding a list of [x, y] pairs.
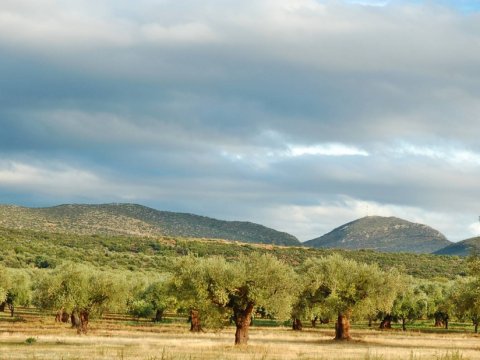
{"points": [[294, 113]]}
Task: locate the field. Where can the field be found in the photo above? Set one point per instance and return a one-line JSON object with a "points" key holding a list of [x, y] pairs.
{"points": [[34, 336]]}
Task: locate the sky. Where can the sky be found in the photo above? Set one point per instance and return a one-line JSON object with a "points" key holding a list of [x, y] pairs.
{"points": [[297, 114]]}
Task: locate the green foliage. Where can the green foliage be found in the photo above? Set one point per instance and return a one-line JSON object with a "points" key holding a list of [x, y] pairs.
{"points": [[343, 286], [219, 289], [30, 341], [465, 296], [411, 301], [438, 295], [141, 309], [15, 287], [153, 297], [78, 288], [22, 248]]}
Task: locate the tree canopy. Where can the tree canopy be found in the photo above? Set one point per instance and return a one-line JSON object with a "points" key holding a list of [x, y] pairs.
{"points": [[222, 290]]}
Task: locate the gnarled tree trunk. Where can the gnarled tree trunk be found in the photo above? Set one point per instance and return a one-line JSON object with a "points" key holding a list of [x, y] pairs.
{"points": [[342, 327], [65, 317], [11, 307], [195, 325], [62, 316], [84, 315], [242, 322], [386, 322], [75, 320], [159, 315], [297, 324]]}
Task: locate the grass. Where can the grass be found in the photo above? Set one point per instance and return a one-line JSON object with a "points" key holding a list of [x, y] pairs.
{"points": [[118, 339]]}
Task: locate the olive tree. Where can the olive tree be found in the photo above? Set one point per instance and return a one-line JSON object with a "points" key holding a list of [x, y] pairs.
{"points": [[5, 282], [466, 300], [465, 292], [81, 291], [153, 299], [348, 288], [15, 289], [220, 290], [409, 305], [439, 305]]}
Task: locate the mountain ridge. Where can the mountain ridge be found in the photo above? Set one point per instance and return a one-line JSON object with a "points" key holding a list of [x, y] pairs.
{"points": [[461, 248], [388, 234], [136, 220]]}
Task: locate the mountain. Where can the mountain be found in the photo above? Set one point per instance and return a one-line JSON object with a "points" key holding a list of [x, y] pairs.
{"points": [[136, 220], [388, 234], [461, 248]]}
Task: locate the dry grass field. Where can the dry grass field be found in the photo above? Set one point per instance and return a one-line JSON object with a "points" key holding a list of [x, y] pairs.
{"points": [[38, 337]]}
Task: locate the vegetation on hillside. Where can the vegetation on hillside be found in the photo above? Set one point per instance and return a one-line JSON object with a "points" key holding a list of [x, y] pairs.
{"points": [[461, 248], [136, 220], [31, 249], [387, 234]]}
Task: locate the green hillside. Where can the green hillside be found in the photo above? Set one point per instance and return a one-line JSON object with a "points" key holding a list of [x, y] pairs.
{"points": [[136, 220], [31, 249], [461, 248], [388, 234]]}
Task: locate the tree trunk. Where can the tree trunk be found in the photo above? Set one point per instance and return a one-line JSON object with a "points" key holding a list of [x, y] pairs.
{"points": [[195, 325], [314, 321], [2, 306], [83, 322], [11, 307], [342, 327], [75, 320], [242, 322], [297, 324], [439, 320], [446, 322], [476, 327], [65, 317], [404, 328], [159, 315], [369, 322], [386, 323]]}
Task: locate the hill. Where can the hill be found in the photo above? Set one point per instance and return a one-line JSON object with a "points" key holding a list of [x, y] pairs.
{"points": [[388, 234], [461, 248], [34, 249], [136, 220]]}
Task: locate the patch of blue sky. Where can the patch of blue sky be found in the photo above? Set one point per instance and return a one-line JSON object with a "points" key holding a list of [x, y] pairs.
{"points": [[465, 6]]}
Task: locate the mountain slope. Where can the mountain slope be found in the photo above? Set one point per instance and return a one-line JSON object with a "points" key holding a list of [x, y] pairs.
{"points": [[461, 248], [387, 234], [137, 220]]}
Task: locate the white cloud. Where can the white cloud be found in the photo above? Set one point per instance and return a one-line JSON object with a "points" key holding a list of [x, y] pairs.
{"points": [[57, 180], [453, 155], [311, 221], [329, 149], [475, 228]]}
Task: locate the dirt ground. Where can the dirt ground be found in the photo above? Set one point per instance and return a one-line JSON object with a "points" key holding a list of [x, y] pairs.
{"points": [[43, 339]]}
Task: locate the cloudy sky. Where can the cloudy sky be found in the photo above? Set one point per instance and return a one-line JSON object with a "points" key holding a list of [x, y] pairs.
{"points": [[297, 114]]}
